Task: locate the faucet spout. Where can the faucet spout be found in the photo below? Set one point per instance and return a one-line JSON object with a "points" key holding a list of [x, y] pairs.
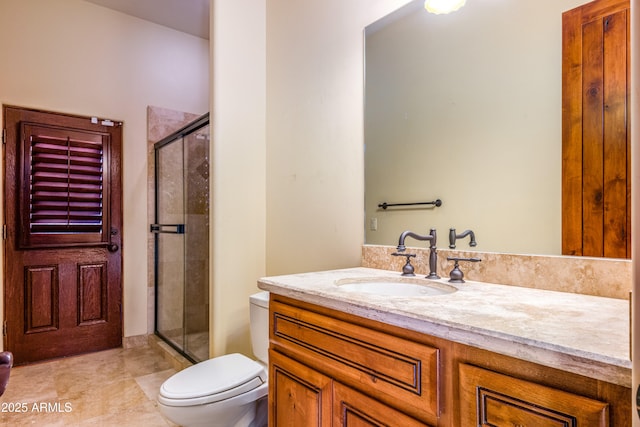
{"points": [[453, 237], [433, 253], [405, 234]]}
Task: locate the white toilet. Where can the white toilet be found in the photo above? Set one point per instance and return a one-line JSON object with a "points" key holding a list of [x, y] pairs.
{"points": [[226, 391]]}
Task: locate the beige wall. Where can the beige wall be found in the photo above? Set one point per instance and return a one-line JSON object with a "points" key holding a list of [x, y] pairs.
{"points": [[75, 57], [238, 179], [315, 206]]}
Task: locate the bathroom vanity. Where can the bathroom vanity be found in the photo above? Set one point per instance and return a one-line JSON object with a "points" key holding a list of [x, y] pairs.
{"points": [[467, 354]]}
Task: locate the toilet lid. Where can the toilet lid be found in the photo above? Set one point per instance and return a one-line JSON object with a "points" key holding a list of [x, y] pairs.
{"points": [[225, 376]]}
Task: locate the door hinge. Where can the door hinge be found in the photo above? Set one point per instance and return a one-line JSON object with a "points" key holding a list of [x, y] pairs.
{"points": [[4, 328], [4, 136], [4, 231]]}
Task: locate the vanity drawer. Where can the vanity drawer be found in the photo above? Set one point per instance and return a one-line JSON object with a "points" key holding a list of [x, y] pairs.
{"points": [[399, 372], [491, 399]]}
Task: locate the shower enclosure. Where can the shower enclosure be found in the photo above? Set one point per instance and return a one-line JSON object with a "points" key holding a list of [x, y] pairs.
{"points": [[181, 230]]}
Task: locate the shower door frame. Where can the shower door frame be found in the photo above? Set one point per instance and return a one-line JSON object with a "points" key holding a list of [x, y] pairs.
{"points": [[156, 228]]}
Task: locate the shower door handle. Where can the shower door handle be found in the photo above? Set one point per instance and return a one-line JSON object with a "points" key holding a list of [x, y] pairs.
{"points": [[167, 228]]}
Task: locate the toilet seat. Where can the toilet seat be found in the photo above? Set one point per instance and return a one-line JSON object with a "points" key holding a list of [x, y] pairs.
{"points": [[212, 381]]}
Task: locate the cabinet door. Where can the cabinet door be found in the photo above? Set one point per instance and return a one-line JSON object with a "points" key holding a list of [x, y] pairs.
{"points": [[491, 399], [354, 409], [298, 395]]}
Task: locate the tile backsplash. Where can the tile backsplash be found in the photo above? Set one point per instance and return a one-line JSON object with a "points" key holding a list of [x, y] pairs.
{"points": [[604, 277]]}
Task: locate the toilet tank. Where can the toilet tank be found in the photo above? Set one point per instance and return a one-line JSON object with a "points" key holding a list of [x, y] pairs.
{"points": [[259, 315]]}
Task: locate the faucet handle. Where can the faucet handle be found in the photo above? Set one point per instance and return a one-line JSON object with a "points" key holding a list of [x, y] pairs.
{"points": [[407, 269], [456, 275]]}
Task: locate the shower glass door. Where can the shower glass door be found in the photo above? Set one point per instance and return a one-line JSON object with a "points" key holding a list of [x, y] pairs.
{"points": [[182, 240]]}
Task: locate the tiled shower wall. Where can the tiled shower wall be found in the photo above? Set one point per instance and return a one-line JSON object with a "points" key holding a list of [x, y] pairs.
{"points": [[161, 122]]}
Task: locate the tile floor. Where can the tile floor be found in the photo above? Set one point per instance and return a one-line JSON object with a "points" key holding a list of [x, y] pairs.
{"points": [[110, 388]]}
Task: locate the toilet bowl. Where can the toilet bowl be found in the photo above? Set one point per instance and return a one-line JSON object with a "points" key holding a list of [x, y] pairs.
{"points": [[226, 391]]}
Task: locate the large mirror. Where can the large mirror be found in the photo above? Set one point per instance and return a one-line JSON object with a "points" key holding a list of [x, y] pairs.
{"points": [[466, 108]]}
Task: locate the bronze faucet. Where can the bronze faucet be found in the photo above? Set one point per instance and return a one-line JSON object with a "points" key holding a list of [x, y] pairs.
{"points": [[433, 254], [453, 237]]}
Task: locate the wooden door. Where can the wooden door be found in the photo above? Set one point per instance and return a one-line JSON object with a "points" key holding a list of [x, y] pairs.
{"points": [[596, 154], [63, 213]]}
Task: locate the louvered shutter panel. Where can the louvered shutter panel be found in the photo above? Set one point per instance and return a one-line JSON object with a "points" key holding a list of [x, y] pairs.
{"points": [[64, 181]]}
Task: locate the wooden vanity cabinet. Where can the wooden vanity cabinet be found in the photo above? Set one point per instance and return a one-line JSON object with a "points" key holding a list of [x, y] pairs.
{"points": [[330, 368]]}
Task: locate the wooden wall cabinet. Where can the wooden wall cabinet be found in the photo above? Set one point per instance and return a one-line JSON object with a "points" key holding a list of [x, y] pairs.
{"points": [[330, 368]]}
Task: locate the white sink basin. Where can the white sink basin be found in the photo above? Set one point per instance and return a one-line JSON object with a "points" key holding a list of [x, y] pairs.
{"points": [[397, 287]]}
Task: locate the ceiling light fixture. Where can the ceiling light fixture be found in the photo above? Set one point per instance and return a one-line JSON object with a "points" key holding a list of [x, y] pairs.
{"points": [[443, 6]]}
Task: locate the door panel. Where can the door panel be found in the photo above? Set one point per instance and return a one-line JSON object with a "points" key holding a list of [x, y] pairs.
{"points": [[92, 298], [63, 212], [41, 289]]}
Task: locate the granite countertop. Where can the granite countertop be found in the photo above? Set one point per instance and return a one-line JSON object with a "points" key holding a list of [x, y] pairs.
{"points": [[583, 334]]}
